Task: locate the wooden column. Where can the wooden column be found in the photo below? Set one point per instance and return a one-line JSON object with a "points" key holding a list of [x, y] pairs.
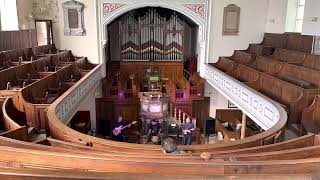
{"points": [[244, 125]]}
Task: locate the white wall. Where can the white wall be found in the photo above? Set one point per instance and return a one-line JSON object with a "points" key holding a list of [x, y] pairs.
{"points": [[217, 100], [89, 104], [252, 27], [312, 11], [276, 20], [25, 16], [80, 45]]}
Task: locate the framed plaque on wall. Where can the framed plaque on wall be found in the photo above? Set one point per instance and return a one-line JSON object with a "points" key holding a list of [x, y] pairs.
{"points": [[73, 18]]}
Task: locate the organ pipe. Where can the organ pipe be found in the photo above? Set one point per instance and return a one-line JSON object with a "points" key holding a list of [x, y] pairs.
{"points": [[151, 36]]}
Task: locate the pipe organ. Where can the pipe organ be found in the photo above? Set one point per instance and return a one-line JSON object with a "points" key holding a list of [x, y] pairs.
{"points": [[152, 35]]}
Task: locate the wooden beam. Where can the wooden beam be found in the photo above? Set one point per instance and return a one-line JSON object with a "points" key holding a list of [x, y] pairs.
{"points": [[244, 126]]}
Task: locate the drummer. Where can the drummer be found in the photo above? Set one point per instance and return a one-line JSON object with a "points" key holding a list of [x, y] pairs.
{"points": [[154, 130]]}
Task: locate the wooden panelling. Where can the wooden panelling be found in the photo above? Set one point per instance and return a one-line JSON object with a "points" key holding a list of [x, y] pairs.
{"points": [[167, 69], [201, 111], [298, 42], [17, 39]]}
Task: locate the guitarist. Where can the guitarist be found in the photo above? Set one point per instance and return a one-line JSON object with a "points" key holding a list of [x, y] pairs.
{"points": [[117, 124], [187, 128]]}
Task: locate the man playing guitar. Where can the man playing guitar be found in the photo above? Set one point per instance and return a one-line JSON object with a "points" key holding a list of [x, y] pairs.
{"points": [[118, 127], [187, 128]]}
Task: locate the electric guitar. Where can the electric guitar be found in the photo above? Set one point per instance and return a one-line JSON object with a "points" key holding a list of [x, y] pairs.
{"points": [[118, 130], [186, 131]]}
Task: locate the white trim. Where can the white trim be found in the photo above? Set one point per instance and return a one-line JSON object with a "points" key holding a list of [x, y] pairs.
{"points": [[259, 108]]}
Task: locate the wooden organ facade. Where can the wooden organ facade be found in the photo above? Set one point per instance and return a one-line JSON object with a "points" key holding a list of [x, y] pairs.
{"points": [[151, 34]]}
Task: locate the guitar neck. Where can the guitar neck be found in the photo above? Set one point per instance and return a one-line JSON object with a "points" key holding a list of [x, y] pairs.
{"points": [[125, 126]]}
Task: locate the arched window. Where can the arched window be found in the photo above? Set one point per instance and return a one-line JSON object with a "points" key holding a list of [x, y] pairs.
{"points": [[8, 14]]}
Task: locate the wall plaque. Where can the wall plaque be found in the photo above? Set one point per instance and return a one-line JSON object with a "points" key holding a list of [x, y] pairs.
{"points": [[231, 20], [73, 18]]}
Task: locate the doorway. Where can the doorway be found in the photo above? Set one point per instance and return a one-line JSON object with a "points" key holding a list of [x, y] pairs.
{"points": [[44, 32]]}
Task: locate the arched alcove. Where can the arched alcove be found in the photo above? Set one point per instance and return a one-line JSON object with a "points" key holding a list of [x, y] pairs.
{"points": [[195, 10]]}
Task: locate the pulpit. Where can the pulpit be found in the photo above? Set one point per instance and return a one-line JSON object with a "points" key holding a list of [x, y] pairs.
{"points": [[153, 106]]}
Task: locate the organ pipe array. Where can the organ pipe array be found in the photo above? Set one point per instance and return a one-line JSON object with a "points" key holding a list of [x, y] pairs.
{"points": [[152, 36]]}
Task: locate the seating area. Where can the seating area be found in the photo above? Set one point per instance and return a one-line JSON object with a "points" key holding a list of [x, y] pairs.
{"points": [[36, 139], [276, 74]]}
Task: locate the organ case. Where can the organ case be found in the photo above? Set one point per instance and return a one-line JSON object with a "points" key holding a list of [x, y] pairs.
{"points": [[152, 36]]}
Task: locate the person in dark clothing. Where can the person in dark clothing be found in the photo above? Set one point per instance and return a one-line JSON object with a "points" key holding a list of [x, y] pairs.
{"points": [[168, 145], [119, 137], [187, 128], [154, 129]]}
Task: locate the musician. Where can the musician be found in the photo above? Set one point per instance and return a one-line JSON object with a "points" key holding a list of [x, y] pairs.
{"points": [[120, 123], [154, 129], [187, 128]]}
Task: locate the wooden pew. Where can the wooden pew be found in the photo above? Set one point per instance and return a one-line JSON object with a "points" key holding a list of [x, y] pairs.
{"points": [[84, 64], [18, 134], [300, 76], [13, 118], [40, 51], [267, 65], [294, 102], [300, 142], [312, 61], [242, 57], [2, 127], [38, 96], [246, 75], [34, 158], [289, 56], [17, 57], [268, 45], [298, 42], [224, 64], [311, 117]]}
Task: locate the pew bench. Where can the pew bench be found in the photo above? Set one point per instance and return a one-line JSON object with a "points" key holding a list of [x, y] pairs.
{"points": [[298, 82], [260, 50], [289, 56], [225, 65]]}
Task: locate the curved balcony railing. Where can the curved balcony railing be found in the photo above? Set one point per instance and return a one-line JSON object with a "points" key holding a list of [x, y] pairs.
{"points": [[266, 112], [261, 109]]}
